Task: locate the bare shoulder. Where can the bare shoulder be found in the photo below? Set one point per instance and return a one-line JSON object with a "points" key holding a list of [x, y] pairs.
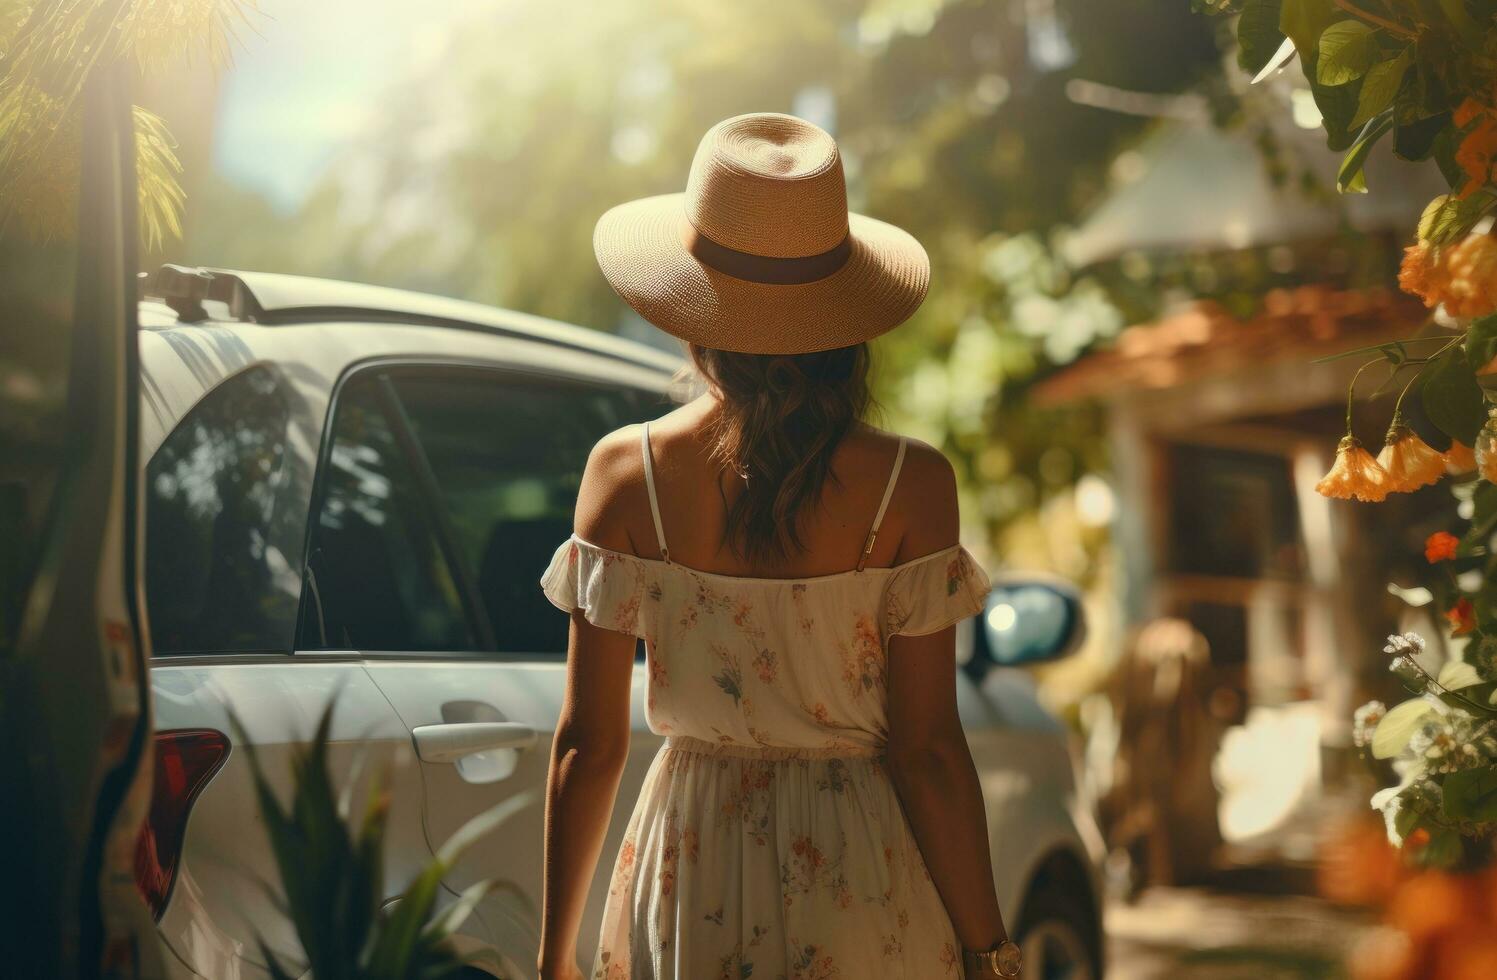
{"points": [[924, 502], [612, 491], [928, 469], [616, 453]]}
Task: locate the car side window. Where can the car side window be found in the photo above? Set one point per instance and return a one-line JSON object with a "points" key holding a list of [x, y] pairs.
{"points": [[507, 453], [222, 538], [378, 578]]}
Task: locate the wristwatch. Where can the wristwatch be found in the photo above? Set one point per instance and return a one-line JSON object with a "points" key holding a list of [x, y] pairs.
{"points": [[1003, 960]]}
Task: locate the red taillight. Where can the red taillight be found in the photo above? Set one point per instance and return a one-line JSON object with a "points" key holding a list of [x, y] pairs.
{"points": [[185, 760]]}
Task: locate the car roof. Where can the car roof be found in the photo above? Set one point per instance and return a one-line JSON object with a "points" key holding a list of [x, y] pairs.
{"points": [[315, 329], [273, 297]]}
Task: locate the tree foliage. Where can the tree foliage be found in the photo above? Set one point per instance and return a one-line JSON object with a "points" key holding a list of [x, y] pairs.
{"points": [[489, 165], [48, 51], [1423, 73]]}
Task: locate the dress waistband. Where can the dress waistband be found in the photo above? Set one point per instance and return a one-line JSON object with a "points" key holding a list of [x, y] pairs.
{"points": [[699, 746]]}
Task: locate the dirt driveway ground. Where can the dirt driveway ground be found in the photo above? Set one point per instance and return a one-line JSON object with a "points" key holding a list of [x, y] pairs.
{"points": [[1209, 934]]}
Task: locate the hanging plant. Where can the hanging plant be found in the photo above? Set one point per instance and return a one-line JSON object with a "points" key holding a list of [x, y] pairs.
{"points": [[1424, 76]]}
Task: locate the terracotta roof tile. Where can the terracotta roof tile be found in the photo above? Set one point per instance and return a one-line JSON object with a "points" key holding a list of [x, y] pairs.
{"points": [[1203, 340]]}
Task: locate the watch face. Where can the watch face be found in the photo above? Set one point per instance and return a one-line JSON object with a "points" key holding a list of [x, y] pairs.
{"points": [[1009, 959]]}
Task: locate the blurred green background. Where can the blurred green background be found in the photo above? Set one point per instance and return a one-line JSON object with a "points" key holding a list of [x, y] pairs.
{"points": [[1072, 166], [468, 149]]}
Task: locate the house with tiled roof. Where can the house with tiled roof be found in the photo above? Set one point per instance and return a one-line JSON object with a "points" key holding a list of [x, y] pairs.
{"points": [[1220, 423]]}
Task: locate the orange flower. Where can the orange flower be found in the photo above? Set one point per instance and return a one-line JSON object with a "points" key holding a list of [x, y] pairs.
{"points": [[1428, 904], [1422, 273], [1409, 461], [1466, 113], [1468, 954], [1459, 458], [1357, 864], [1355, 475], [1461, 275], [1462, 617], [1471, 270], [1474, 155], [1440, 546]]}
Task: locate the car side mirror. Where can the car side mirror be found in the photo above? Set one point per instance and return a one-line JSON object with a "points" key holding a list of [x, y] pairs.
{"points": [[1028, 620]]}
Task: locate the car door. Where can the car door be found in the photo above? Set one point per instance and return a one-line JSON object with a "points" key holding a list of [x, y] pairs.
{"points": [[227, 494], [468, 651], [73, 705]]}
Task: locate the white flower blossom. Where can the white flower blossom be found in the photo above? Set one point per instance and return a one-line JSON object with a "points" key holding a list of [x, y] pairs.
{"points": [[1454, 741], [1439, 745], [1365, 720], [1407, 669], [1407, 644], [1388, 802]]}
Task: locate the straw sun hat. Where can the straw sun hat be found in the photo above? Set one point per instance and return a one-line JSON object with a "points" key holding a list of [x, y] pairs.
{"points": [[760, 255]]}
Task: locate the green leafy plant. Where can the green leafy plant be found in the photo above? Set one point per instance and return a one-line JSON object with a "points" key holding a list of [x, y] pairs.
{"points": [[1425, 73], [1421, 72], [1442, 742], [332, 877], [48, 50]]}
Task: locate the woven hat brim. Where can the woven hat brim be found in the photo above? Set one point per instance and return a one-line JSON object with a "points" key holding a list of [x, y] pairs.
{"points": [[639, 249]]}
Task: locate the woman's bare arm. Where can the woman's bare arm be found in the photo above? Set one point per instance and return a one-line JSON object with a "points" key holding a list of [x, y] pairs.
{"points": [[587, 762], [929, 762], [592, 734], [937, 783]]}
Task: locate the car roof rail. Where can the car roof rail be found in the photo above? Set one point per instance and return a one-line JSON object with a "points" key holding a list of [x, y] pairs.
{"points": [[184, 288], [274, 298]]}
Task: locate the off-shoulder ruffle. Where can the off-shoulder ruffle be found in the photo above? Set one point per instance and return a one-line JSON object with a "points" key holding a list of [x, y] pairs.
{"points": [[611, 588], [931, 593]]}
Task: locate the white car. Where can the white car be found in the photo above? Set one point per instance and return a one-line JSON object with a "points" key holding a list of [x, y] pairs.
{"points": [[351, 492]]}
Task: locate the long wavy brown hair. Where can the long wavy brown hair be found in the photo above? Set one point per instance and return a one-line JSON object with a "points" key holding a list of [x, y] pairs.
{"points": [[781, 417]]}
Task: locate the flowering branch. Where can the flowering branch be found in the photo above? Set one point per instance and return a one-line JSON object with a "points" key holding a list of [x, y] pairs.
{"points": [[1391, 26], [1452, 341], [1480, 709], [1408, 668], [1351, 390], [1383, 347]]}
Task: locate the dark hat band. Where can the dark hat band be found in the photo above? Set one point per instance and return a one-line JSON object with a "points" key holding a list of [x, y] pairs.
{"points": [[766, 269]]}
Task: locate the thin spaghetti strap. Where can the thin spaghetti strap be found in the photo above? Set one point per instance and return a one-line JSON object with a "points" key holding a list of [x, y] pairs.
{"points": [[644, 447], [883, 505]]}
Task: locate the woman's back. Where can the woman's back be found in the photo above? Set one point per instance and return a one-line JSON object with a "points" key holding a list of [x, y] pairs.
{"points": [[766, 546], [789, 660], [695, 494], [768, 815]]}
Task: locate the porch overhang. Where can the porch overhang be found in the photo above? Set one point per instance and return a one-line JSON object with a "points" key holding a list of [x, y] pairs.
{"points": [[1202, 364]]}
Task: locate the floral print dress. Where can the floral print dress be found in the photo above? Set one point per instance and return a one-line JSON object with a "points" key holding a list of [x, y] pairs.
{"points": [[768, 841]]}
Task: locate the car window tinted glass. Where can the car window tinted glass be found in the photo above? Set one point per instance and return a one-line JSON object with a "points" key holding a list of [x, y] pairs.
{"points": [[378, 579], [508, 454], [221, 544]]}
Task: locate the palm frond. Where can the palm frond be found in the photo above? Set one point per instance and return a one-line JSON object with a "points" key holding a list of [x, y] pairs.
{"points": [[157, 180], [48, 50], [13, 14], [40, 142], [161, 32]]}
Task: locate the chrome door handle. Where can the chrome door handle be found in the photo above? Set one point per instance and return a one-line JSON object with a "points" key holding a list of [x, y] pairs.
{"points": [[450, 743]]}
